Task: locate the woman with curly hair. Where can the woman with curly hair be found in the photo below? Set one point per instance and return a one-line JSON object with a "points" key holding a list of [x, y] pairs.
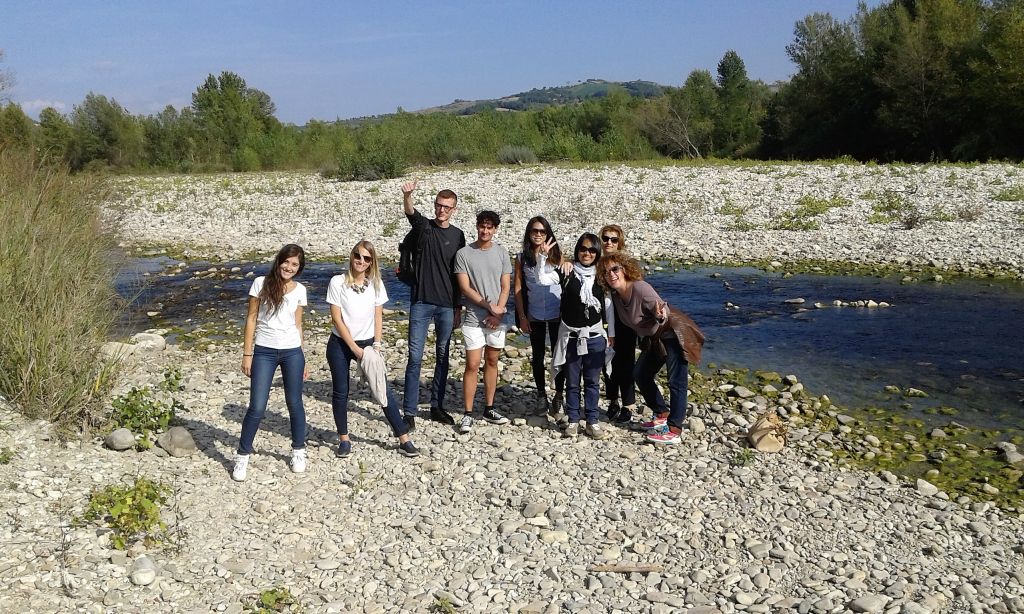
{"points": [[272, 339], [619, 386], [668, 337]]}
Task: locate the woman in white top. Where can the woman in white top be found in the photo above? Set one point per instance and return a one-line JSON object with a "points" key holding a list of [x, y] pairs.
{"points": [[273, 338], [357, 311]]}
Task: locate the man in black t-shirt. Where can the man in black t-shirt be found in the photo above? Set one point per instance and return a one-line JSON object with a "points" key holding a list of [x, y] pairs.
{"points": [[433, 296]]}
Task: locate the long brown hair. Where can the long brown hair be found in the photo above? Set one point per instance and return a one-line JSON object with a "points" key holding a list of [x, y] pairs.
{"points": [[554, 256], [272, 293], [618, 229]]}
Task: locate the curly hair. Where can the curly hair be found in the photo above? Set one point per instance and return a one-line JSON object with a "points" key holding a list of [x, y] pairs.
{"points": [[621, 245], [630, 267]]}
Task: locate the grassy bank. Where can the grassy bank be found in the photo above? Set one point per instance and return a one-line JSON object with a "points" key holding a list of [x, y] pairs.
{"points": [[58, 300]]}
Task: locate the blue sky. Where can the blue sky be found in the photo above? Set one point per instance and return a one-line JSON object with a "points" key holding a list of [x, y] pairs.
{"points": [[327, 60]]}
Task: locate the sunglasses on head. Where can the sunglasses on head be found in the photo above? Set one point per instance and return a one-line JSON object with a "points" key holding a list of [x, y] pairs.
{"points": [[609, 239], [593, 250], [367, 259]]}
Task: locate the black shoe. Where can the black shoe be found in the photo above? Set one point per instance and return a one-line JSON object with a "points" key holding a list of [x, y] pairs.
{"points": [[556, 405], [494, 417], [408, 449], [439, 415], [625, 416], [613, 410], [410, 423]]}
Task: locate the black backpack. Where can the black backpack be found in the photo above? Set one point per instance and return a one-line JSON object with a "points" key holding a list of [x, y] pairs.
{"points": [[409, 252]]}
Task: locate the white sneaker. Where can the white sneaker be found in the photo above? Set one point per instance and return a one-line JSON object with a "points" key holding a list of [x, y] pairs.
{"points": [[299, 461], [241, 467], [466, 425]]}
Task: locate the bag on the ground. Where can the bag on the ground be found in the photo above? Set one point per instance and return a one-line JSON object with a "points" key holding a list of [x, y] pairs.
{"points": [[768, 433]]}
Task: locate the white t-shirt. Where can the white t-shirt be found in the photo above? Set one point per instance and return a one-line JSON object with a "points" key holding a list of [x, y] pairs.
{"points": [[357, 308], [277, 330]]}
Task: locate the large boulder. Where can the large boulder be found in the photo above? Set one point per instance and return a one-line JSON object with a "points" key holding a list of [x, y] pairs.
{"points": [[177, 441], [150, 342]]}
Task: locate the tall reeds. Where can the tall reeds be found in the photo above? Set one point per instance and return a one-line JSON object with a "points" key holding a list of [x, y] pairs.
{"points": [[57, 300]]}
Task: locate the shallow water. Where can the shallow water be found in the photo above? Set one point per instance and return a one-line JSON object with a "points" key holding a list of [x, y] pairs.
{"points": [[960, 342]]}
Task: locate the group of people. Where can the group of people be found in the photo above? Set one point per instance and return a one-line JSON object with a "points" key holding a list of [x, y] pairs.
{"points": [[591, 310]]}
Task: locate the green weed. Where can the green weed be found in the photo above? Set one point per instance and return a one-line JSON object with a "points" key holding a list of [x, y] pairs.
{"points": [[6, 456], [1013, 193], [133, 512], [140, 413], [271, 600]]}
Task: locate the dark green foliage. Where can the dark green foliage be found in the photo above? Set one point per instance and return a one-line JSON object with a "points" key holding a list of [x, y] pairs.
{"points": [[516, 154], [142, 414], [15, 127]]}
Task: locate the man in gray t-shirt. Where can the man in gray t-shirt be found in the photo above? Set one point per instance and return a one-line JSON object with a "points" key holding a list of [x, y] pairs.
{"points": [[483, 271]]}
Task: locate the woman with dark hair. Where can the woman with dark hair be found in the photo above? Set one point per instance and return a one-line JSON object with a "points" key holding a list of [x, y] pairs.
{"points": [[273, 338], [620, 384], [537, 303], [582, 338], [668, 337], [357, 300]]}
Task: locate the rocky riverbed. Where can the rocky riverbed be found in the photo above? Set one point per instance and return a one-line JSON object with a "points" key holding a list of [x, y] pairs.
{"points": [[510, 518], [959, 218]]}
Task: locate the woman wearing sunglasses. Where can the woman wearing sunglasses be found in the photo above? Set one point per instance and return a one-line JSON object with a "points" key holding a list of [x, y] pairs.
{"points": [[357, 300], [582, 339], [669, 337], [620, 385], [537, 303]]}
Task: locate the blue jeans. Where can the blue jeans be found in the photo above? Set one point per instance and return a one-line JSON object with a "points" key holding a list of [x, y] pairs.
{"points": [[647, 367], [264, 363], [339, 358], [589, 366], [420, 315]]}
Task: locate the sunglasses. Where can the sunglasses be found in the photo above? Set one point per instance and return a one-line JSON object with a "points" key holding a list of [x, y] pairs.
{"points": [[614, 270], [438, 205], [593, 250], [538, 231], [609, 239], [366, 259]]}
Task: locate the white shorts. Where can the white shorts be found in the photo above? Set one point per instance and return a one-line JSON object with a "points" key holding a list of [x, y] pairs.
{"points": [[477, 337]]}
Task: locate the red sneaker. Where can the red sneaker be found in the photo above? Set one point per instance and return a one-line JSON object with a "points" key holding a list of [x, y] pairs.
{"points": [[667, 437]]}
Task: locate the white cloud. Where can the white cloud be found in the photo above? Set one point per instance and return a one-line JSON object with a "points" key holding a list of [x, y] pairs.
{"points": [[32, 107]]}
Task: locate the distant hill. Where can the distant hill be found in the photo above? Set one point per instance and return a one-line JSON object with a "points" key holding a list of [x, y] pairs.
{"points": [[547, 96], [535, 98]]}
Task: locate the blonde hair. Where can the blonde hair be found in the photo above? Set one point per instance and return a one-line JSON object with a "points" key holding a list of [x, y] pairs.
{"points": [[372, 272]]}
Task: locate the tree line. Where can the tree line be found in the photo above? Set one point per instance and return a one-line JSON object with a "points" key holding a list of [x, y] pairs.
{"points": [[911, 80]]}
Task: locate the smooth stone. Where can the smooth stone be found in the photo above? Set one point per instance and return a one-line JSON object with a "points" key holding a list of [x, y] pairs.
{"points": [[149, 342], [177, 441], [143, 571], [869, 603], [119, 439], [926, 488]]}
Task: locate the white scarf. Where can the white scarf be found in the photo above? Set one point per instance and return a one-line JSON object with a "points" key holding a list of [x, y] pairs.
{"points": [[587, 275]]}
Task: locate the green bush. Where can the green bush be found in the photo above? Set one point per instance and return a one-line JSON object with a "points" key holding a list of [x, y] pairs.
{"points": [[516, 154], [133, 512], [58, 301], [245, 159], [140, 413], [1014, 193], [369, 164], [277, 599]]}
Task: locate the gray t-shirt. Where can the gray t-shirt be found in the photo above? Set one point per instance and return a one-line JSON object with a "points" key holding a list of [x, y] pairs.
{"points": [[485, 268]]}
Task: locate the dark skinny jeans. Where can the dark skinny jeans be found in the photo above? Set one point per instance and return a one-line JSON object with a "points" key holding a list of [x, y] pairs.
{"points": [[265, 362], [588, 368], [539, 329], [621, 384], [647, 367], [339, 358]]}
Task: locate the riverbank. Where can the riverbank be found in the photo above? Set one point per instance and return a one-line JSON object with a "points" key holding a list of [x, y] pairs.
{"points": [[959, 219], [509, 518]]}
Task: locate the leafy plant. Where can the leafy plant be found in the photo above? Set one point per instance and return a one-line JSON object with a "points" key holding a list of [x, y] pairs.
{"points": [[516, 154], [172, 381], [808, 208], [277, 599], [133, 512], [441, 605], [657, 214], [6, 456], [139, 412]]}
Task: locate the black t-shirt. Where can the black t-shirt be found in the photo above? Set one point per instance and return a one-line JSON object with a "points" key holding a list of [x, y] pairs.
{"points": [[435, 282]]}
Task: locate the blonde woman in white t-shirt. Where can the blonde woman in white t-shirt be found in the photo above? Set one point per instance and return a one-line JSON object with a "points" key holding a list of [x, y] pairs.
{"points": [[357, 300], [273, 338]]}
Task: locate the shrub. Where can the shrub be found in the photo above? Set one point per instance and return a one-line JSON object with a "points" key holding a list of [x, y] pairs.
{"points": [[1010, 194], [58, 301], [369, 164], [277, 599], [808, 208], [516, 154], [133, 512], [142, 414], [970, 212], [245, 159]]}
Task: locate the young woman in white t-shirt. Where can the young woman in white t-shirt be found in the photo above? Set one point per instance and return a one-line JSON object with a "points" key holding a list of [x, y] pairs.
{"points": [[357, 300], [273, 338]]}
